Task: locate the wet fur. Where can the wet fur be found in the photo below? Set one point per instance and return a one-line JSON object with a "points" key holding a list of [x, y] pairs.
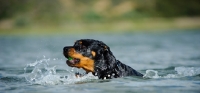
{"points": [[106, 66]]}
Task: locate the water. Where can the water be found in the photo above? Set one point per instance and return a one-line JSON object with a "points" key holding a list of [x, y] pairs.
{"points": [[170, 62]]}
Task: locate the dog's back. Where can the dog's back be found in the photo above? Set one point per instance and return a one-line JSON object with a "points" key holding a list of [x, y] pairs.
{"points": [[126, 70]]}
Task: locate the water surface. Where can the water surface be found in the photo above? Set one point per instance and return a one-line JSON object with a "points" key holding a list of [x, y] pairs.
{"points": [[170, 62]]}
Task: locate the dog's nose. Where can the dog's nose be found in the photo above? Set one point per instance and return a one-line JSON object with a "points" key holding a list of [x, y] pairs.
{"points": [[65, 49]]}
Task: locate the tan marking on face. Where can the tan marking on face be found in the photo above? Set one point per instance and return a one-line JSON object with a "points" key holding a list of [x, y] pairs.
{"points": [[86, 63], [93, 53]]}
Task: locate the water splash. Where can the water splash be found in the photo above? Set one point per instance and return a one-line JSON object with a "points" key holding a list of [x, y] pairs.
{"points": [[41, 73], [188, 71], [180, 72], [151, 74]]}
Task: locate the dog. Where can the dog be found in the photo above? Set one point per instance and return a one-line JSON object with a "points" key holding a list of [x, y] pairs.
{"points": [[95, 56]]}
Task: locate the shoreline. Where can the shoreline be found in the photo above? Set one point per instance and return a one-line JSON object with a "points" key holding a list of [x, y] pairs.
{"points": [[119, 26]]}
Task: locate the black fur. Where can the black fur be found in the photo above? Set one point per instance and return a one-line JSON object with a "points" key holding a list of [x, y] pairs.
{"points": [[106, 65]]}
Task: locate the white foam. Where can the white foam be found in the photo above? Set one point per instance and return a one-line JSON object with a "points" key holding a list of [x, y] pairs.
{"points": [[188, 71], [180, 72], [151, 74], [73, 79], [41, 73]]}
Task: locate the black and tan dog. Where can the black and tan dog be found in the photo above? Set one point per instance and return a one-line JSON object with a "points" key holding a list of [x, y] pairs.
{"points": [[95, 56]]}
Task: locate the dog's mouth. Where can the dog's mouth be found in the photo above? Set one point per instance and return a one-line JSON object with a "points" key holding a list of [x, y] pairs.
{"points": [[72, 61]]}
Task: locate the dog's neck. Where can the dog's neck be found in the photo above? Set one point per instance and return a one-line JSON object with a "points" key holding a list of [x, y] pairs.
{"points": [[108, 72]]}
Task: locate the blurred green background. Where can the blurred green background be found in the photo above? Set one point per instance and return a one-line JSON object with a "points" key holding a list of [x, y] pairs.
{"points": [[39, 17]]}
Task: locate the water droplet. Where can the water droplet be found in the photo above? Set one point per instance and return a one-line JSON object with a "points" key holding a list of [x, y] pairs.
{"points": [[113, 74]]}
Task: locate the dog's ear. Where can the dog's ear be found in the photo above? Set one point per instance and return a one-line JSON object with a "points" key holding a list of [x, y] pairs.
{"points": [[104, 63], [109, 57], [104, 57]]}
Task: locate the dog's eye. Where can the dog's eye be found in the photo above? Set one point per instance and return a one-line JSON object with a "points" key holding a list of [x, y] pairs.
{"points": [[82, 47]]}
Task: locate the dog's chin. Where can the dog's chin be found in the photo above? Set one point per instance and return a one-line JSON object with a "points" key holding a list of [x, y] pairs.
{"points": [[69, 63]]}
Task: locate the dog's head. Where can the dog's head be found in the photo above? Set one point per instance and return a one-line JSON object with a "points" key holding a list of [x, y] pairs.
{"points": [[91, 55]]}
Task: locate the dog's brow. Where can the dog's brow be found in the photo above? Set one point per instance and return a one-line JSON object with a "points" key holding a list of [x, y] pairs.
{"points": [[80, 42]]}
